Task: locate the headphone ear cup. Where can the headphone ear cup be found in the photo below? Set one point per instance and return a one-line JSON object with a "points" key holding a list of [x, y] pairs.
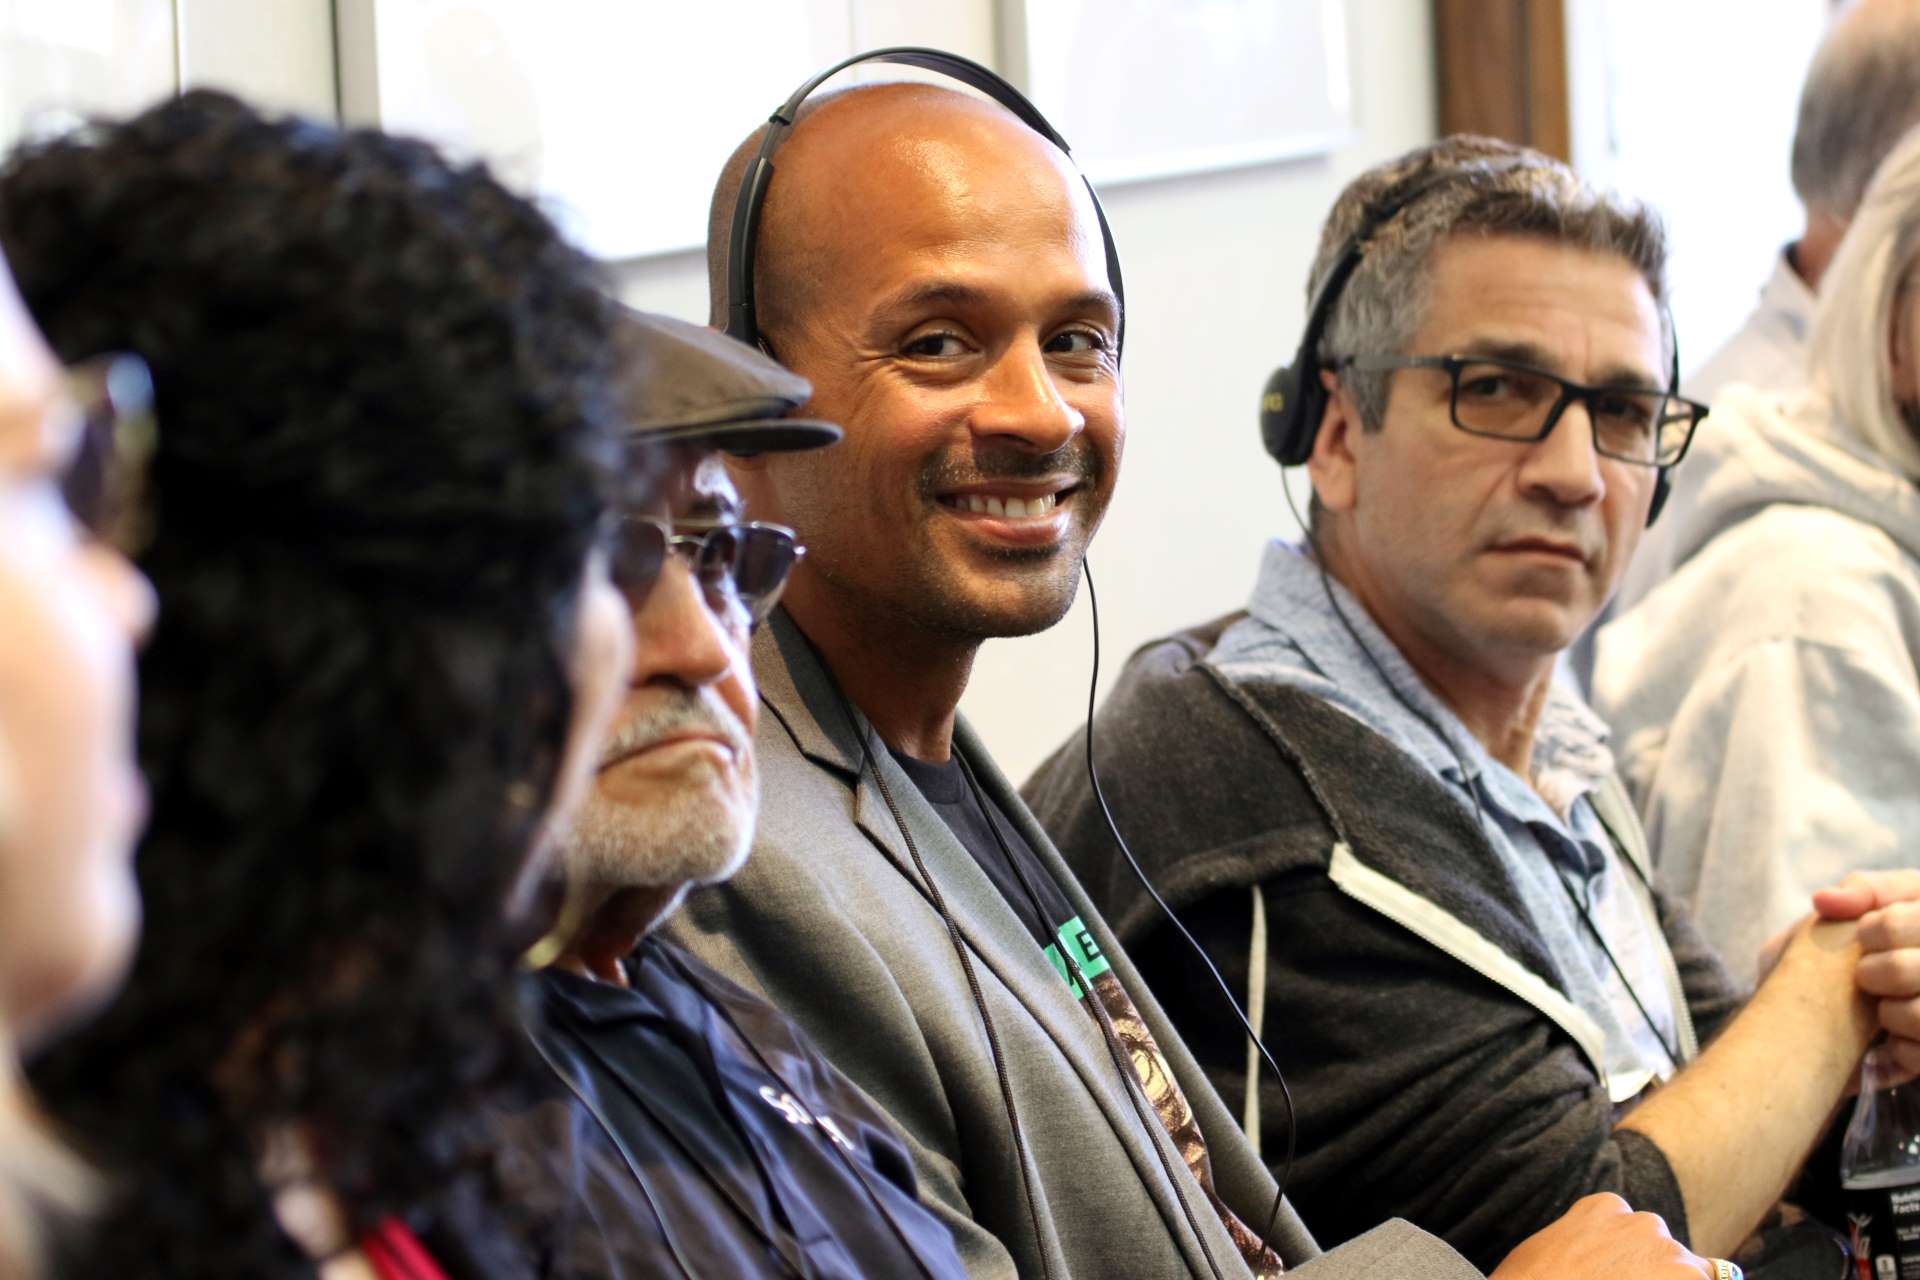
{"points": [[1286, 417], [1662, 488]]}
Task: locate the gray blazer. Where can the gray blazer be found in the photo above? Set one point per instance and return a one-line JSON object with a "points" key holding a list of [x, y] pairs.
{"points": [[832, 922]]}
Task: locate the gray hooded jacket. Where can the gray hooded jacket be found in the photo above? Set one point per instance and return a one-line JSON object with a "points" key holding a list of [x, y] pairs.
{"points": [[1439, 1070]]}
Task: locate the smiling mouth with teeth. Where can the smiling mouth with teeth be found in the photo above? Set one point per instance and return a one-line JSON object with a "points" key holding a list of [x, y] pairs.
{"points": [[1006, 508]]}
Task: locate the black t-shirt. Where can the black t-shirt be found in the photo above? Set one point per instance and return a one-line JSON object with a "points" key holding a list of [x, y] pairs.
{"points": [[1022, 879]]}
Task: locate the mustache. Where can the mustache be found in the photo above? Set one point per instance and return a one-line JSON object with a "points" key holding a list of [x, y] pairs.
{"points": [[977, 464], [685, 711]]}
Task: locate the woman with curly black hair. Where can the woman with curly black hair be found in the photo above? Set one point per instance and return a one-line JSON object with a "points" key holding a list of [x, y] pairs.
{"points": [[386, 639]]}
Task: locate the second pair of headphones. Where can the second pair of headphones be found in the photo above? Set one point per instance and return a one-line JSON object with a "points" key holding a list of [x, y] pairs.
{"points": [[1294, 400], [742, 318]]}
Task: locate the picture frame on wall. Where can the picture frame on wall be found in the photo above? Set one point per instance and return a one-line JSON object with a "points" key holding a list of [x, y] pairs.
{"points": [[1147, 89], [596, 109], [61, 63]]}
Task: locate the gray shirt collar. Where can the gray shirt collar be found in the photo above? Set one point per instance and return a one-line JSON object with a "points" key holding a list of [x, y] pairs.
{"points": [[1570, 752]]}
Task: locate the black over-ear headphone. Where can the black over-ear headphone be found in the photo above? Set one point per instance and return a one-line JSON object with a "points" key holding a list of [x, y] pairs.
{"points": [[1294, 401], [742, 322]]}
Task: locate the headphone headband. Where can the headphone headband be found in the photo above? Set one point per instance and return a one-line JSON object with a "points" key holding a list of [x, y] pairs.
{"points": [[742, 317]]}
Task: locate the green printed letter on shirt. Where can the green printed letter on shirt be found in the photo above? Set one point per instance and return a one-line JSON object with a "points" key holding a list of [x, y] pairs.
{"points": [[1079, 943]]}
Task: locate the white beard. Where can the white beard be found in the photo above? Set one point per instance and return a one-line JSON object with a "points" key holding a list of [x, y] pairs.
{"points": [[695, 838], [697, 832]]}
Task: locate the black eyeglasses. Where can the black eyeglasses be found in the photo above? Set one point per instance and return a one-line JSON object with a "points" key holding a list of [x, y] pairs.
{"points": [[1506, 400], [741, 566], [105, 484]]}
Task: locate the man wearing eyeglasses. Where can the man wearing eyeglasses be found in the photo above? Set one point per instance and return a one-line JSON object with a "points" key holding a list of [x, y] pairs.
{"points": [[1402, 838], [697, 1132]]}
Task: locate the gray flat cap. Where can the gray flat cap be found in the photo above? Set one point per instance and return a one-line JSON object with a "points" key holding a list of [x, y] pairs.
{"points": [[685, 382]]}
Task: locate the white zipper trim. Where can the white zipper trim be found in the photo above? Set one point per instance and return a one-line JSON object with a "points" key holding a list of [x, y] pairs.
{"points": [[1257, 1017], [1447, 932]]}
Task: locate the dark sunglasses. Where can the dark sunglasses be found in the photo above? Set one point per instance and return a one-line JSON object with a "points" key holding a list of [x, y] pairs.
{"points": [[741, 566], [105, 484]]}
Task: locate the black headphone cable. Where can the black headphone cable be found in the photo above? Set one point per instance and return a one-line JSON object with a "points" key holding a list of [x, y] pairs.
{"points": [[1233, 1003], [1667, 1047]]}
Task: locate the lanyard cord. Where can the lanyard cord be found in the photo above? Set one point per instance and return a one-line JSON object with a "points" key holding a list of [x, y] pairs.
{"points": [[797, 1259], [846, 1157], [710, 1069], [1130, 1079], [1047, 927], [1667, 1047], [634, 1164], [1020, 1153]]}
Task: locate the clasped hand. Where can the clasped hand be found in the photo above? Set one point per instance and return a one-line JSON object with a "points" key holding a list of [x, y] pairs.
{"points": [[1885, 909]]}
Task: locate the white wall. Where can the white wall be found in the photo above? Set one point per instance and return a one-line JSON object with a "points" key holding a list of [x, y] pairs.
{"points": [[1666, 107], [60, 61], [1216, 272], [275, 53]]}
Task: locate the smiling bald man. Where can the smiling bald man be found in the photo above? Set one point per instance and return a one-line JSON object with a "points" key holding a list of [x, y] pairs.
{"points": [[937, 271]]}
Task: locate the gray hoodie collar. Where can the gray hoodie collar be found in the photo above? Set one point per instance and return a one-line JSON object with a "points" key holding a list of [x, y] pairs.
{"points": [[1570, 755]]}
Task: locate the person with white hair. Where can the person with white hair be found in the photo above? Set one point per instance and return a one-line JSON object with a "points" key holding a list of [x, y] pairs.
{"points": [[1766, 697]]}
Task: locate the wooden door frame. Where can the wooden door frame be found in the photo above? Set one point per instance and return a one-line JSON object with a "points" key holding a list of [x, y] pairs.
{"points": [[1501, 70]]}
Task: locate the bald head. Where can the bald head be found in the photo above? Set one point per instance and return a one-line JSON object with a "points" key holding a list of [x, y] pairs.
{"points": [[850, 151]]}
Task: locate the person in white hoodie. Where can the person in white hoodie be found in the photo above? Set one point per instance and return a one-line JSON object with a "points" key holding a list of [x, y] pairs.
{"points": [[1861, 95], [1766, 697]]}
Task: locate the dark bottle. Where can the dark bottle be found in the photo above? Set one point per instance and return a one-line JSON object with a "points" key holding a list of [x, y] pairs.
{"points": [[1880, 1173]]}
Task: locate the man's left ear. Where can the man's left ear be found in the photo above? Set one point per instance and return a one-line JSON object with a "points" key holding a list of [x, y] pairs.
{"points": [[1331, 464]]}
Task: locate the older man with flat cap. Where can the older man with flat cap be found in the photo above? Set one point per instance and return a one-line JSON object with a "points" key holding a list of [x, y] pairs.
{"points": [[699, 1132]]}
